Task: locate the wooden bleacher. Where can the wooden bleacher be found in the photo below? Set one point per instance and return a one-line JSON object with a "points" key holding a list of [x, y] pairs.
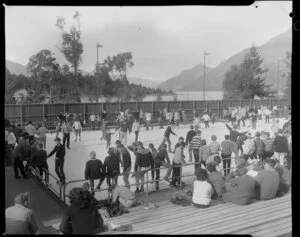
{"points": [[262, 218]]}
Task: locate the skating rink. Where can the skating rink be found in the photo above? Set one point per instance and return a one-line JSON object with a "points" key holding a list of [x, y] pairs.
{"points": [[78, 155]]}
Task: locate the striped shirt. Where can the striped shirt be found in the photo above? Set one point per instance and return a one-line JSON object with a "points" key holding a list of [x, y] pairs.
{"points": [[196, 142]]}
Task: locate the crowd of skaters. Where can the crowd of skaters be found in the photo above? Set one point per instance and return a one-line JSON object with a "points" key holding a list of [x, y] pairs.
{"points": [[263, 174]]}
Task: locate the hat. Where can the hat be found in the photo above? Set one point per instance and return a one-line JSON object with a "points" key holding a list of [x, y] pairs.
{"points": [[151, 145], [257, 134]]}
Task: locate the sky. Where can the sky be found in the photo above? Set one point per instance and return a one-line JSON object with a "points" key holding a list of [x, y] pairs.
{"points": [[163, 40]]}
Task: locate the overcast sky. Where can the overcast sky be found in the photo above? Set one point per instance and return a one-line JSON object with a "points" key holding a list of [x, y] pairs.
{"points": [[159, 34]]}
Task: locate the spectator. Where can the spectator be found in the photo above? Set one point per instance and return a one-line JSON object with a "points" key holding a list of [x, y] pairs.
{"points": [[143, 163], [285, 179], [242, 189], [162, 159], [94, 170], [78, 128], [233, 135], [39, 160], [66, 129], [202, 189], [180, 140], [60, 153], [126, 158], [227, 149], [275, 127], [19, 219], [214, 146], [259, 147], [248, 147], [81, 217], [189, 136], [217, 180], [86, 187], [269, 151], [42, 134], [178, 160], [17, 130], [213, 118], [280, 147], [11, 142], [112, 166], [136, 129], [30, 129], [93, 119], [124, 196], [196, 144], [214, 159], [204, 152], [267, 181]]}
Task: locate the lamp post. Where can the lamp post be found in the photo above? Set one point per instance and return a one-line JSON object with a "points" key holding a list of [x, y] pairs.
{"points": [[205, 54], [97, 69], [278, 61]]}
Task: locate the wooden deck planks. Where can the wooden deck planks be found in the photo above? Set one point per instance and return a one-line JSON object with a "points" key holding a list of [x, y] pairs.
{"points": [[191, 215], [222, 218]]}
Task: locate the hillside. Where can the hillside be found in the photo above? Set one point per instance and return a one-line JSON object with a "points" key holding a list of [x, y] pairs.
{"points": [[143, 82], [270, 52], [16, 68], [185, 77]]}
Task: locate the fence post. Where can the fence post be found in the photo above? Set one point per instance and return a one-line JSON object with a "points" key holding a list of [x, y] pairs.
{"points": [[240, 103], [64, 107], [44, 112], [21, 115], [219, 114], [147, 180], [168, 106], [194, 105], [120, 106], [206, 105], [152, 110], [180, 178], [84, 110]]}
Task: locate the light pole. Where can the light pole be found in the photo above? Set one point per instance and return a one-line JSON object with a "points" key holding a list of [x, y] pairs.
{"points": [[205, 54], [97, 69], [278, 61]]}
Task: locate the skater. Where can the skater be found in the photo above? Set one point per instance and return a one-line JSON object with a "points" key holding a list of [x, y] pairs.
{"points": [[78, 128], [148, 121], [196, 144], [227, 149], [234, 134], [108, 135], [214, 146], [57, 129], [253, 117], [259, 147], [60, 153], [189, 136], [177, 118], [280, 147], [66, 129], [92, 120], [167, 137], [123, 132], [126, 158], [42, 134], [94, 170], [206, 119]]}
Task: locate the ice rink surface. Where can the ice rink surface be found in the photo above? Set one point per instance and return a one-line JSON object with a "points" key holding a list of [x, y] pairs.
{"points": [[78, 155]]}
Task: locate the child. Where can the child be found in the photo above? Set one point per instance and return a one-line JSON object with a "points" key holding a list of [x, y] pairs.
{"points": [[78, 128], [112, 166], [204, 152], [259, 147], [202, 189], [108, 138], [214, 146], [178, 160]]}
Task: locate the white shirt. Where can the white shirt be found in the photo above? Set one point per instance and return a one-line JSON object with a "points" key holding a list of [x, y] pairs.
{"points": [[205, 117], [202, 192], [148, 116], [77, 125], [248, 146], [136, 127], [92, 118]]}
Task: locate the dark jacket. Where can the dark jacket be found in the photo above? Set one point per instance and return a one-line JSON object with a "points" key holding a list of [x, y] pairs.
{"points": [[112, 165], [168, 132], [217, 181], [234, 134], [20, 152], [189, 136], [281, 144], [81, 218], [143, 159], [94, 169], [126, 157], [259, 146], [17, 132], [39, 158], [163, 155], [59, 150]]}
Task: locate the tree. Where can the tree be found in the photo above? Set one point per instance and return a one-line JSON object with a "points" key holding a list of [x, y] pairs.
{"points": [[158, 97], [43, 67], [287, 75], [72, 48], [246, 80]]}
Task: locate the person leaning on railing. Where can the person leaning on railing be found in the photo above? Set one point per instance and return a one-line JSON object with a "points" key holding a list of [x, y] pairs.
{"points": [[111, 166], [39, 160]]}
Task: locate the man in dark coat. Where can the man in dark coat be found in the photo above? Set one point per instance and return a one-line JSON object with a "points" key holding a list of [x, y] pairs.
{"points": [[94, 170]]}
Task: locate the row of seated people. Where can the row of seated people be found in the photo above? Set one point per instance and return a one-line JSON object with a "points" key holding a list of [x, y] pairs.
{"points": [[248, 183]]}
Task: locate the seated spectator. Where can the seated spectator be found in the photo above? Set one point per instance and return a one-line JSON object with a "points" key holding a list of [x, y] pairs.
{"points": [[243, 191], [81, 217], [86, 187], [267, 181], [285, 179], [202, 189], [214, 158], [124, 196], [214, 146], [19, 218], [216, 179], [204, 152]]}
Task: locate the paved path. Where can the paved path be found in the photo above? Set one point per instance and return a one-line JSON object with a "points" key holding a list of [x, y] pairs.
{"points": [[44, 206]]}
